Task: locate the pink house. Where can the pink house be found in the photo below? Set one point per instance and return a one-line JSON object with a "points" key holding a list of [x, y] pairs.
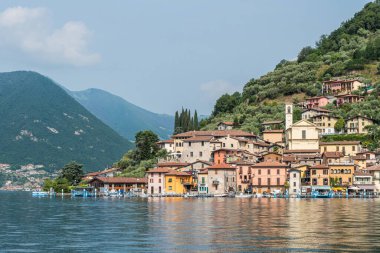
{"points": [[316, 102], [156, 180], [269, 176]]}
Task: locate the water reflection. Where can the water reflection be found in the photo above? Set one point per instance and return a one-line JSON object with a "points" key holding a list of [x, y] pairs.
{"points": [[187, 225]]}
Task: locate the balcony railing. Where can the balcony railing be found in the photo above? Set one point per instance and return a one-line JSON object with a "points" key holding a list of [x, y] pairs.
{"points": [[215, 182]]}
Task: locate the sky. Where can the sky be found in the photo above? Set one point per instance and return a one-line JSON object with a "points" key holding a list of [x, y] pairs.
{"points": [[162, 54]]}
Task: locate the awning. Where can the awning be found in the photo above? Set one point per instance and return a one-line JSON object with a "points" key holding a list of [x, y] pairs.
{"points": [[367, 187], [321, 187], [353, 188], [339, 188]]}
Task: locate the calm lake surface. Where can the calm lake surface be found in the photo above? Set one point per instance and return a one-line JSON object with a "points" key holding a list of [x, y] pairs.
{"points": [[58, 224]]}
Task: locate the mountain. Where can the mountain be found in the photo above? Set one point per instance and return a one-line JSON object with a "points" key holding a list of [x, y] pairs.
{"points": [[125, 118], [41, 124], [351, 51]]}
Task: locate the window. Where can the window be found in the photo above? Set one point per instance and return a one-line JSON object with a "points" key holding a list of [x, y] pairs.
{"points": [[268, 181], [226, 179], [203, 143], [268, 171], [325, 172], [294, 184], [314, 181], [325, 149], [314, 172], [278, 181], [349, 180], [203, 180], [159, 189], [232, 145], [200, 153], [189, 144], [159, 180], [294, 175], [259, 181], [303, 134], [259, 172], [337, 148], [344, 150], [216, 172], [353, 148], [191, 154], [289, 109], [278, 172], [170, 180], [170, 188], [224, 145]]}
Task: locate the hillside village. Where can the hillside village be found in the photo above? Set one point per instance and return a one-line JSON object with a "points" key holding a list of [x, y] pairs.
{"points": [[286, 158]]}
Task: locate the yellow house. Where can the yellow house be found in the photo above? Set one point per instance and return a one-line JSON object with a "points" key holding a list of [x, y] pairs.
{"points": [[342, 174], [348, 148], [360, 161], [325, 122], [356, 125], [177, 182]]}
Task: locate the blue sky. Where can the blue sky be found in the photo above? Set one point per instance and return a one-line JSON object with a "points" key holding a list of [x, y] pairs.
{"points": [[162, 55]]}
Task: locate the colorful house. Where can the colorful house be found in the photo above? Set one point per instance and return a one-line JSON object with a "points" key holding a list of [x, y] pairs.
{"points": [[269, 176], [302, 135], [156, 180], [348, 99], [347, 148], [341, 174], [316, 102], [326, 123], [227, 125], [124, 184], [319, 175], [203, 181], [177, 182], [244, 176], [336, 87], [294, 182]]}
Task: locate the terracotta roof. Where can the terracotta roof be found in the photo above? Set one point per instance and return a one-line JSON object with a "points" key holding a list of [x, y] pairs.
{"points": [[165, 141], [204, 171], [177, 173], [273, 131], [318, 97], [333, 154], [361, 173], [358, 157], [215, 133], [319, 166], [198, 139], [160, 170], [289, 151], [263, 144], [228, 123], [201, 161], [289, 158], [221, 166], [375, 167], [359, 116], [270, 164], [101, 172], [340, 143], [121, 180], [172, 164]]}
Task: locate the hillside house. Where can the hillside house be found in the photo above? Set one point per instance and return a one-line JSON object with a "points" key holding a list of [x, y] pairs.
{"points": [[357, 124], [316, 102], [337, 87]]}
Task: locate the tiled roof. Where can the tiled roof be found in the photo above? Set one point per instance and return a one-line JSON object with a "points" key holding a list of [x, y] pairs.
{"points": [[121, 180], [289, 158], [319, 166], [228, 123], [160, 170], [204, 171], [294, 151], [101, 172], [221, 166], [272, 122], [333, 154], [358, 157], [340, 81], [375, 167], [172, 164], [317, 109], [198, 139], [269, 164], [177, 173], [165, 141], [361, 173]]}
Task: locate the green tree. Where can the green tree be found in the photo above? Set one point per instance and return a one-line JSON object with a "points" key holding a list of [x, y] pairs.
{"points": [[339, 125], [72, 172], [196, 121], [146, 145]]}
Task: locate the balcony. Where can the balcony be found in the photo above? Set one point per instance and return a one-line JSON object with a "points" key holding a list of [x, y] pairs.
{"points": [[215, 182], [245, 181]]}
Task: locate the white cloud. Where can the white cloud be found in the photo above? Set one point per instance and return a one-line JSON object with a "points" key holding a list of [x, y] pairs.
{"points": [[30, 31], [216, 88]]}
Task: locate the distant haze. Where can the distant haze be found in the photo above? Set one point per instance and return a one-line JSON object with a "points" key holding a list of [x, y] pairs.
{"points": [[162, 55]]}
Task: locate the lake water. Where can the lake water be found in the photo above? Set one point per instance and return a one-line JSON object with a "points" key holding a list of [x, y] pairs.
{"points": [[58, 224]]}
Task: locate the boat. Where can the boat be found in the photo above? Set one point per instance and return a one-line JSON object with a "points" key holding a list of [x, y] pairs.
{"points": [[221, 195], [83, 192], [40, 194], [241, 195]]}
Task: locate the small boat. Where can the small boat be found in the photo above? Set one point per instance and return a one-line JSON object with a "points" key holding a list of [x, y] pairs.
{"points": [[221, 195], [40, 194], [83, 192], [241, 195]]}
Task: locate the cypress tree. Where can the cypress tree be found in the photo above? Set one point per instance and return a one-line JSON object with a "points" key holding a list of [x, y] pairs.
{"points": [[196, 122], [176, 122]]}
